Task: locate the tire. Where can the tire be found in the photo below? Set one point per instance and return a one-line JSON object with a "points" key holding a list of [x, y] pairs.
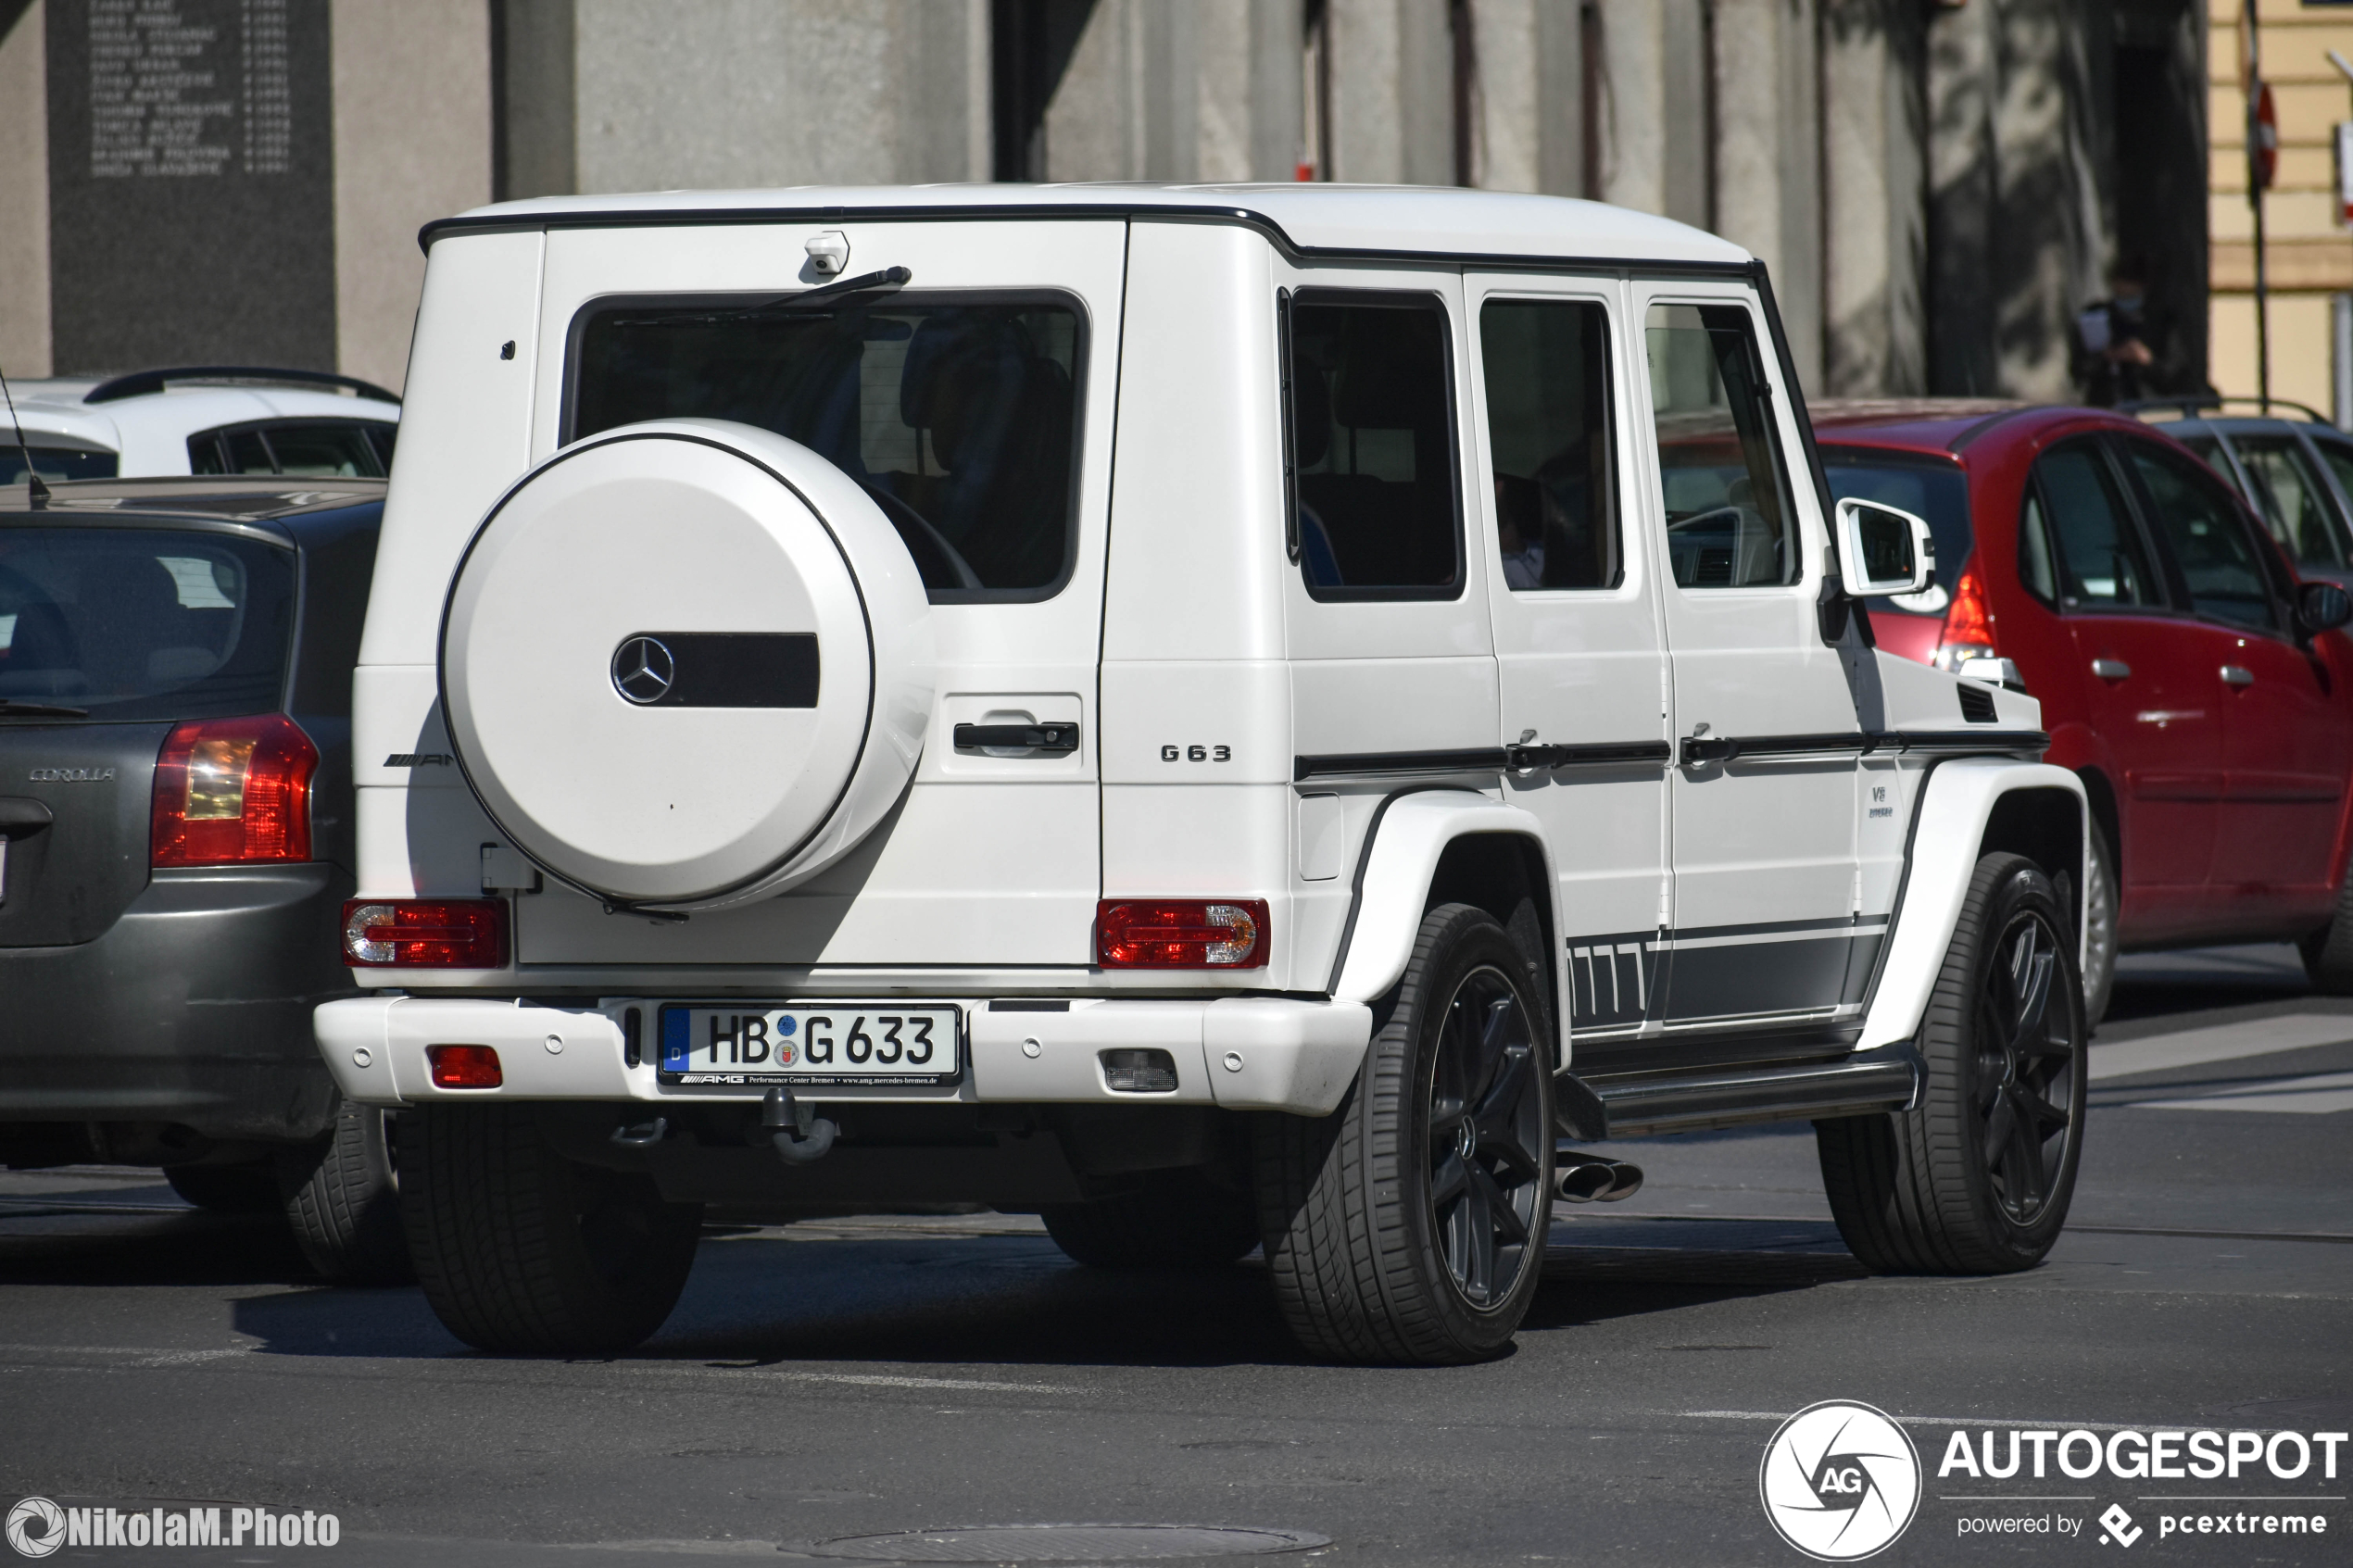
{"points": [[1953, 1185], [2099, 929], [1175, 1219], [226, 1189], [2328, 952], [1401, 1228], [525, 1252], [343, 1200]]}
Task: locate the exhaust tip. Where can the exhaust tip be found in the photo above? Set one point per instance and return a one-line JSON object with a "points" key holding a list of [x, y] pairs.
{"points": [[1590, 1178]]}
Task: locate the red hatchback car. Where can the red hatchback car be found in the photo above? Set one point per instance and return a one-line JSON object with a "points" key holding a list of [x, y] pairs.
{"points": [[2198, 687]]}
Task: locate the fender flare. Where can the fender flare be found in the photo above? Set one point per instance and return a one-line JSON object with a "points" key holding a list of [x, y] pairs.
{"points": [[1394, 870], [1956, 801]]}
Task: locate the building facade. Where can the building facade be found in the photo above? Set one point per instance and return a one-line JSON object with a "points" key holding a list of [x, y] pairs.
{"points": [[1937, 188]]}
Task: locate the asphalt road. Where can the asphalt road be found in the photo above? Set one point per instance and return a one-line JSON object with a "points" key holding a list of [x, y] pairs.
{"points": [[849, 1378]]}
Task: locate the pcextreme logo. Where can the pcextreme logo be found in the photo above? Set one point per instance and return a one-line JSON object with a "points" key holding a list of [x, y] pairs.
{"points": [[1840, 1481]]}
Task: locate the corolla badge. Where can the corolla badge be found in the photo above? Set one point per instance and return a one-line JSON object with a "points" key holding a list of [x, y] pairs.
{"points": [[643, 669]]}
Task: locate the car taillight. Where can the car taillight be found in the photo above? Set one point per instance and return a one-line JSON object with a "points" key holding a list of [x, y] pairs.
{"points": [[465, 1067], [230, 791], [426, 933], [1969, 626], [1180, 933]]}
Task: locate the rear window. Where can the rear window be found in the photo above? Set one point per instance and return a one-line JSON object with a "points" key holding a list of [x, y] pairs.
{"points": [[55, 463], [959, 418], [1928, 488], [143, 623], [319, 449]]}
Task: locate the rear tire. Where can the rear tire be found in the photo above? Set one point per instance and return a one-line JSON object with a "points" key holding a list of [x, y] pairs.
{"points": [[226, 1189], [522, 1251], [343, 1200], [1976, 1178], [1174, 1219], [1409, 1225], [2328, 952], [2099, 929]]}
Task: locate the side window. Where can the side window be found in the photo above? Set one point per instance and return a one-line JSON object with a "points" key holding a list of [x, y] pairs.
{"points": [[1547, 371], [247, 453], [2100, 562], [1372, 447], [1730, 522], [325, 451], [2338, 456], [2293, 495], [2198, 523], [204, 455]]}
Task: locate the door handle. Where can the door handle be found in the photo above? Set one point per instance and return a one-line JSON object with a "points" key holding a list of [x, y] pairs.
{"points": [[1033, 738], [2237, 676], [2112, 670]]}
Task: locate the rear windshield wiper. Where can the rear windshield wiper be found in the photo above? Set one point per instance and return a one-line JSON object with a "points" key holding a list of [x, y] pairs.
{"points": [[12, 708]]}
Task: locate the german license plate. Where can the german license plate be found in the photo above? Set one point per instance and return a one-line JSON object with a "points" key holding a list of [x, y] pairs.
{"points": [[853, 1043]]}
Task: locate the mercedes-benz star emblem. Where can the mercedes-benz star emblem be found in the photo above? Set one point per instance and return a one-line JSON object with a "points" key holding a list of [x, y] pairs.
{"points": [[643, 669]]}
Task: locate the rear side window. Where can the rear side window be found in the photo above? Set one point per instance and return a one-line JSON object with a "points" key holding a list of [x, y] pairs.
{"points": [[959, 418], [1372, 447], [2198, 523], [143, 623], [2293, 496], [2079, 545], [57, 463], [1547, 371], [1730, 520], [2338, 456], [322, 449], [1927, 488]]}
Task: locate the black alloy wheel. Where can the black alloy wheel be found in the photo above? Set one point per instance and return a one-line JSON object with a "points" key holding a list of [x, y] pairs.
{"points": [[1485, 1123], [2025, 1067]]}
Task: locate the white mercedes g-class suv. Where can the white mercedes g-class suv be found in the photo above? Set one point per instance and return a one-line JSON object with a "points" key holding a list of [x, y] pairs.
{"points": [[1227, 718]]}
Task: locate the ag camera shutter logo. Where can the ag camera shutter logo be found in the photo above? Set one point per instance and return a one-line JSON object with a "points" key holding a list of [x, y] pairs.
{"points": [[1840, 1481]]}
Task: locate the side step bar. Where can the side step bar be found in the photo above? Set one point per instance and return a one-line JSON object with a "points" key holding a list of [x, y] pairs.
{"points": [[1886, 1079]]}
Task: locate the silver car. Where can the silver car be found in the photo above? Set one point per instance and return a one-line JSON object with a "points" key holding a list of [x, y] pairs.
{"points": [[2296, 472]]}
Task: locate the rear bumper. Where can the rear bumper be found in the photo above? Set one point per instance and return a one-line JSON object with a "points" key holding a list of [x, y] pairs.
{"points": [[193, 1009], [1242, 1053]]}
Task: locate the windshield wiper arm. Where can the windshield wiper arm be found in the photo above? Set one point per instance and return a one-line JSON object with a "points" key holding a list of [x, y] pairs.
{"points": [[10, 706], [889, 278]]}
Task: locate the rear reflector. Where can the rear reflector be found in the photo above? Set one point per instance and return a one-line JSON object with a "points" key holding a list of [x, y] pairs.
{"points": [[1139, 1071], [1181, 934], [464, 1067], [233, 791], [426, 933]]}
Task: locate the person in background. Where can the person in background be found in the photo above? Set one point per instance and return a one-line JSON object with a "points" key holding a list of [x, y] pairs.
{"points": [[2124, 344]]}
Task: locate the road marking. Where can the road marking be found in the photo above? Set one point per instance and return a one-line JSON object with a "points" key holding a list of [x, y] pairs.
{"points": [[1945, 1421], [2316, 1095], [867, 1379], [2223, 1042]]}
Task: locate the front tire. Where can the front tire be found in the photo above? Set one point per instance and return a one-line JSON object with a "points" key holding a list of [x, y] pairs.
{"points": [[1976, 1179], [2328, 952], [343, 1200], [1408, 1226], [1171, 1220], [523, 1251], [2099, 929]]}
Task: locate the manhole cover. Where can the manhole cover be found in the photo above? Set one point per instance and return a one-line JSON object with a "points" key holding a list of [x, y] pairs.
{"points": [[1066, 1543]]}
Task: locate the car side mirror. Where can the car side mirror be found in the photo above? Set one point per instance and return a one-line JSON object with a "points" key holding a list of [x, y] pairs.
{"points": [[1882, 550], [2323, 607]]}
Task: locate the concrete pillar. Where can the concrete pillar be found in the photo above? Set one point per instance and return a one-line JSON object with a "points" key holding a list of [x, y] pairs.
{"points": [[24, 191], [2051, 152], [1874, 189], [1961, 83], [743, 93], [535, 108], [1634, 109], [1527, 112], [412, 81], [1392, 92], [1179, 90], [1687, 65], [1768, 183]]}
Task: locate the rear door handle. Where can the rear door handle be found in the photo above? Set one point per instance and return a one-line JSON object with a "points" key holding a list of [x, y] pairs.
{"points": [[2237, 676], [2112, 670], [1055, 737]]}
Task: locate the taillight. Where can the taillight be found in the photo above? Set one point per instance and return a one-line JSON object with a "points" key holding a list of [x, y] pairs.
{"points": [[426, 933], [230, 791], [1969, 626], [465, 1067], [1181, 934]]}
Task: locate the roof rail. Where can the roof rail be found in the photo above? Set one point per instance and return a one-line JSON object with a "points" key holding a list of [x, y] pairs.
{"points": [[2196, 402], [140, 382]]}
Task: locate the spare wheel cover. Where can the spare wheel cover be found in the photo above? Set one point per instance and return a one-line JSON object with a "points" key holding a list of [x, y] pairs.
{"points": [[686, 663]]}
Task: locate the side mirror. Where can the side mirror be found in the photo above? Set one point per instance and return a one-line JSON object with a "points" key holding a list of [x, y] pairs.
{"points": [[1882, 550], [2323, 607]]}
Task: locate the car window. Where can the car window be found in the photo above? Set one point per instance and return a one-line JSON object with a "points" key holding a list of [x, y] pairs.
{"points": [[247, 453], [143, 623], [1931, 488], [57, 463], [1730, 522], [2196, 520], [1372, 447], [325, 451], [960, 419], [2092, 548], [2293, 496], [1547, 373], [2338, 456]]}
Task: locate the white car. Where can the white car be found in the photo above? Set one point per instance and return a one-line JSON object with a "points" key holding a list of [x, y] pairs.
{"points": [[1227, 716], [200, 420]]}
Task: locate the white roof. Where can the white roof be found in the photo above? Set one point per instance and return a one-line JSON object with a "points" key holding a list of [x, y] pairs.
{"points": [[150, 429], [1390, 219]]}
